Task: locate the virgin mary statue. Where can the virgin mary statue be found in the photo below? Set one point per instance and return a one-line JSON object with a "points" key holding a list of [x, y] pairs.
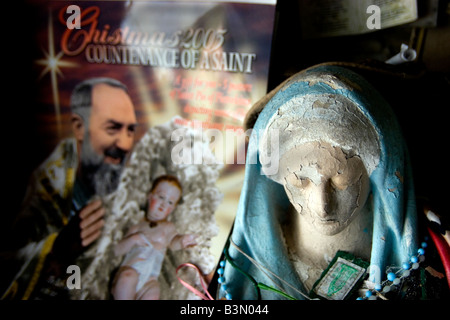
{"points": [[328, 208]]}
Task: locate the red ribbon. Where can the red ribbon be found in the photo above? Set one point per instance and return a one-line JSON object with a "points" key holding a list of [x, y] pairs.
{"points": [[444, 251], [191, 288]]}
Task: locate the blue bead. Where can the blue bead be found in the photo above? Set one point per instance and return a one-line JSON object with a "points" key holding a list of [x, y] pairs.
{"points": [[221, 280], [424, 244], [359, 298], [224, 287], [414, 259], [220, 271], [421, 251], [228, 296], [378, 287], [368, 294], [222, 263], [406, 266], [391, 276]]}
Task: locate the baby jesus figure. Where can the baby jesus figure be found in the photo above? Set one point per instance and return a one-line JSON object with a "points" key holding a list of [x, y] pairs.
{"points": [[145, 244]]}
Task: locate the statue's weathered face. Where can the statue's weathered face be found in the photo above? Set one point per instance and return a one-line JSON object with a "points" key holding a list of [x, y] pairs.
{"points": [[325, 185]]}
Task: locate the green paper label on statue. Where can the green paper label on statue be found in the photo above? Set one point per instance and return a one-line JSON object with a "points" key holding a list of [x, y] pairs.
{"points": [[339, 280]]}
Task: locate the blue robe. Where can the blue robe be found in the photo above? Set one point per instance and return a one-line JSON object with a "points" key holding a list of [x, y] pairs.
{"points": [[263, 203]]}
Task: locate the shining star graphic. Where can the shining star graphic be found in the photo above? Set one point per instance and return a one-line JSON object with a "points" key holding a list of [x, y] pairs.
{"points": [[52, 65]]}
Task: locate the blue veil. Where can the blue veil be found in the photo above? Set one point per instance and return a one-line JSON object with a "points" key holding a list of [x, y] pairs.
{"points": [[257, 234]]}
